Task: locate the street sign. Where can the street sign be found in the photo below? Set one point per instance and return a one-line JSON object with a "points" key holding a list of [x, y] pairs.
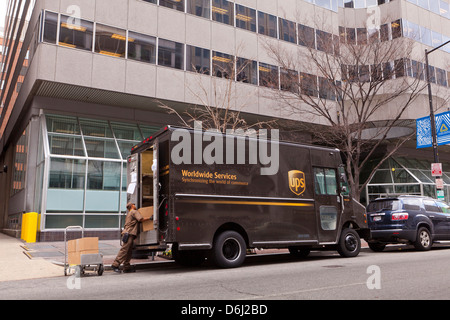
{"points": [[436, 169], [423, 130], [439, 183], [440, 194]]}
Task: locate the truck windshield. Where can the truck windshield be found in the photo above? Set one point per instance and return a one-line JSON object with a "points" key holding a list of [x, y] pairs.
{"points": [[382, 205]]}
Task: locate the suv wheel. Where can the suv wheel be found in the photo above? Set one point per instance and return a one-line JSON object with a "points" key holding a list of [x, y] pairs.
{"points": [[423, 240]]}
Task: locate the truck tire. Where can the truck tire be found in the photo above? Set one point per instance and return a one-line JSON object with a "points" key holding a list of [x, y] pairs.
{"points": [[229, 250], [423, 241], [349, 243]]}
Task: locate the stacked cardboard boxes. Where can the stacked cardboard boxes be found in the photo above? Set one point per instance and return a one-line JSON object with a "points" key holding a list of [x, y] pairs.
{"points": [[77, 247]]}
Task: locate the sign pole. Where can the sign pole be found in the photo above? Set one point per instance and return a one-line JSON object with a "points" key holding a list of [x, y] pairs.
{"points": [[432, 117]]}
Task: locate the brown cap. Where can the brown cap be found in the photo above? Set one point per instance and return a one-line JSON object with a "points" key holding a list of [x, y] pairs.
{"points": [[129, 204]]}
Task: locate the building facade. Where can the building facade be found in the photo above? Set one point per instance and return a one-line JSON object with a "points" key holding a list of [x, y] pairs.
{"points": [[93, 74]]}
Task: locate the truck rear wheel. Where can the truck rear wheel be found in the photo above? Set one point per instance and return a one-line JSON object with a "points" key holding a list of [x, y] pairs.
{"points": [[229, 250], [349, 243]]}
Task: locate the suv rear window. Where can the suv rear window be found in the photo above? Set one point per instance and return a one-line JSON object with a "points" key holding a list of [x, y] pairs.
{"points": [[380, 205]]}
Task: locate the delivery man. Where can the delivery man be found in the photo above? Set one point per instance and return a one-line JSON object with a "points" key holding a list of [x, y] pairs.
{"points": [[129, 233]]}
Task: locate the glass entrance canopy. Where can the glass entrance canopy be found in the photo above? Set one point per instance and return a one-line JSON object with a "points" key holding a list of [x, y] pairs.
{"points": [[400, 175], [81, 171]]}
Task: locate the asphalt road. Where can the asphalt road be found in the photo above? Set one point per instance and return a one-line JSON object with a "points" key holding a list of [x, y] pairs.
{"points": [[390, 275]]}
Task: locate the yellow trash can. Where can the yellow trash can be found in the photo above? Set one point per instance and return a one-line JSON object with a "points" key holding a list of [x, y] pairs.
{"points": [[30, 224]]}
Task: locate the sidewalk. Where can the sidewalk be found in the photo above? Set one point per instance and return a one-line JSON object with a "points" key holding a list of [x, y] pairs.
{"points": [[21, 260]]}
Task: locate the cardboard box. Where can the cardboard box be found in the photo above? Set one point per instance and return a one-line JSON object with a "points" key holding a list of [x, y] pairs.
{"points": [[147, 212], [72, 246], [77, 247], [90, 243], [74, 258]]}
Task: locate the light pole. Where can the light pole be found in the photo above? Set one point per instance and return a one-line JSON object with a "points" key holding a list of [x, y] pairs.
{"points": [[430, 100]]}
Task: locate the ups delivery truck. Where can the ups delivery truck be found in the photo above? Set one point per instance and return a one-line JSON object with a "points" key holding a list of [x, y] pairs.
{"points": [[213, 196]]}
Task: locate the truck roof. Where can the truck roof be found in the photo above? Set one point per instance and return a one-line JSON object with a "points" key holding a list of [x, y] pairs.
{"points": [[172, 128]]}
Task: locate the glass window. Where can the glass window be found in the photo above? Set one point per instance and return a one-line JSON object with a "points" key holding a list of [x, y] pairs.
{"points": [[245, 18], [326, 89], [76, 33], [324, 41], [198, 59], [96, 128], [170, 54], [103, 186], [101, 221], [67, 173], [434, 6], [341, 34], [267, 24], [399, 68], [379, 205], [62, 221], [425, 36], [151, 1], [387, 70], [102, 175], [268, 75], [396, 28], [125, 148], [200, 8], [441, 77], [436, 39], [351, 35], [384, 32], [141, 47], [222, 11], [423, 4], [289, 80], [431, 74], [66, 145], [50, 27], [361, 34], [126, 131], [61, 124], [20, 163], [348, 4], [411, 204], [324, 4], [325, 181], [173, 4], [444, 9], [101, 148], [222, 65], [287, 31], [359, 4], [417, 70], [110, 41], [306, 36], [247, 71], [328, 217], [308, 84]]}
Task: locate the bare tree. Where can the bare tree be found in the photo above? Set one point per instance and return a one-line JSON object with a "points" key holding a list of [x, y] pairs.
{"points": [[219, 104], [357, 86]]}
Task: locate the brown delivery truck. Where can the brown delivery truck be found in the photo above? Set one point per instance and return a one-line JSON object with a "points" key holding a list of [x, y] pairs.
{"points": [[216, 195]]}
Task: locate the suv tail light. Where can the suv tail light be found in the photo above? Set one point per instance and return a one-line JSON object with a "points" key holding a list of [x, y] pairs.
{"points": [[399, 216]]}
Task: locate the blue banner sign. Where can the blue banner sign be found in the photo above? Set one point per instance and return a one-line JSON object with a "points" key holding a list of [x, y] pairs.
{"points": [[423, 130]]}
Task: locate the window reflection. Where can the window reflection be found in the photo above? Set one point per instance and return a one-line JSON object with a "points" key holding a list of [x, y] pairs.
{"points": [[110, 41], [76, 33]]}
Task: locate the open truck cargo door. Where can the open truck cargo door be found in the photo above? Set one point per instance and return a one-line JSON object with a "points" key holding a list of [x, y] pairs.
{"points": [[143, 190]]}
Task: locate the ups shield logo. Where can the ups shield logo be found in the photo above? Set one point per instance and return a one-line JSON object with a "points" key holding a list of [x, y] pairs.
{"points": [[297, 182]]}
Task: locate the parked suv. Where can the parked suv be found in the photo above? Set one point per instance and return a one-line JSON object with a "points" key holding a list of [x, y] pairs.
{"points": [[407, 219]]}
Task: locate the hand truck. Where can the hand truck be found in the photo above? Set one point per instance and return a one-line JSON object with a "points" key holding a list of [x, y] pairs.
{"points": [[91, 262]]}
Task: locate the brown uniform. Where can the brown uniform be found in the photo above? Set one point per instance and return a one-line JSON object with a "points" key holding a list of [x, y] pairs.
{"points": [[130, 227]]}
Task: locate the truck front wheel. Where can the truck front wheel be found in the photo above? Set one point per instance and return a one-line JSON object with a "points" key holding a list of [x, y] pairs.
{"points": [[229, 250], [349, 243]]}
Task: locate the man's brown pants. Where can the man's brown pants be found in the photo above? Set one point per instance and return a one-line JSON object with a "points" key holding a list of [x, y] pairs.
{"points": [[124, 255]]}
